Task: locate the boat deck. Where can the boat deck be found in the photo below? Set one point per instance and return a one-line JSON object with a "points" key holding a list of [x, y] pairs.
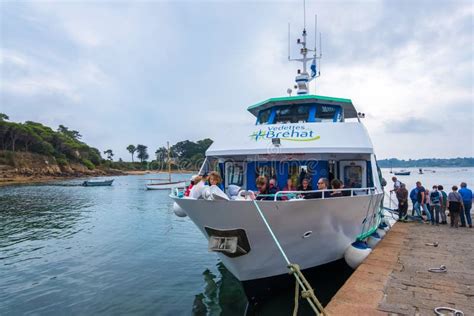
{"points": [[394, 279]]}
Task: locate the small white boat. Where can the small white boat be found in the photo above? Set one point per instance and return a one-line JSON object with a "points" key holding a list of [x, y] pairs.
{"points": [[97, 183], [166, 185], [402, 173]]}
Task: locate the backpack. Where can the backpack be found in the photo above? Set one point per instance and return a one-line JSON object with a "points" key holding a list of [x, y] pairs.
{"points": [[434, 197]]}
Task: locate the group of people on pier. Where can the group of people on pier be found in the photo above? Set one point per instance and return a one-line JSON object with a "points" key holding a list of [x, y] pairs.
{"points": [[434, 203]]}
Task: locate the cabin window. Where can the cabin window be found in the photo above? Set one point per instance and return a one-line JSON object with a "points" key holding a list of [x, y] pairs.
{"points": [[268, 171], [294, 173], [292, 114], [264, 116], [328, 113], [234, 174], [353, 176]]}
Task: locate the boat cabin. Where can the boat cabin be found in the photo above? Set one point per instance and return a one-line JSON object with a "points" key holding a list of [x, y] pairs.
{"points": [[297, 137], [303, 109]]}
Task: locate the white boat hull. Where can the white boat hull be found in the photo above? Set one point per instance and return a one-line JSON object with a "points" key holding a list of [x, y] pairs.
{"points": [[332, 225], [166, 185]]}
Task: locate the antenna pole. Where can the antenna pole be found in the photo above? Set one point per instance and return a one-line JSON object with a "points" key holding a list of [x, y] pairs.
{"points": [[288, 40], [169, 162], [304, 14], [315, 33], [303, 78], [320, 46]]}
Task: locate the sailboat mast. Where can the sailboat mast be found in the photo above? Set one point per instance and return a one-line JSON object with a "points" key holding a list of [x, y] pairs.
{"points": [[169, 162]]}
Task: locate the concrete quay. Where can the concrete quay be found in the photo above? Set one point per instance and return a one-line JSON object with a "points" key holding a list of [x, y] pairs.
{"points": [[394, 279]]}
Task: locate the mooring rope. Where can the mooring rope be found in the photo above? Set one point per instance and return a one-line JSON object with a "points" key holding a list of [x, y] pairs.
{"points": [[441, 269], [455, 312], [307, 291]]}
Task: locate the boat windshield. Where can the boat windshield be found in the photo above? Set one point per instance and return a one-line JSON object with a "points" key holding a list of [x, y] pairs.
{"points": [[292, 114], [328, 113], [301, 113]]}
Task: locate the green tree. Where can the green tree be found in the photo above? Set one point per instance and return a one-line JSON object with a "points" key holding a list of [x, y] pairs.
{"points": [[132, 149], [4, 117], [14, 132], [110, 154], [69, 133], [142, 152], [161, 154]]}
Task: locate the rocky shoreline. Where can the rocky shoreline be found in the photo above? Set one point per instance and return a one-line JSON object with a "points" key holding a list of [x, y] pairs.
{"points": [[34, 168], [19, 178], [29, 168]]}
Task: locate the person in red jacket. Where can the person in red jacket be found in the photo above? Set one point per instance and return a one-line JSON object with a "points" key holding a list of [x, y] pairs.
{"points": [[194, 180]]}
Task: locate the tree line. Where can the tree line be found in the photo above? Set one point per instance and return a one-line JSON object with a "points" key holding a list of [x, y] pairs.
{"points": [[426, 162], [65, 145], [182, 155]]}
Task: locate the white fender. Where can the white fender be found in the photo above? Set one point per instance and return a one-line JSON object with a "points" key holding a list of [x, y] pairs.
{"points": [[381, 232], [386, 220], [178, 211], [384, 226], [356, 253], [373, 240]]}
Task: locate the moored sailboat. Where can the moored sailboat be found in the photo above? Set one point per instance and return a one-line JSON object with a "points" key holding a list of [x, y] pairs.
{"points": [[165, 184]]}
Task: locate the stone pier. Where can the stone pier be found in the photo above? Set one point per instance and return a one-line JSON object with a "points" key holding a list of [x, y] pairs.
{"points": [[394, 279]]}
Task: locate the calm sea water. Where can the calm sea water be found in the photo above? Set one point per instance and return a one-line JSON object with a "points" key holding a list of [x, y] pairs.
{"points": [[120, 250], [447, 177]]}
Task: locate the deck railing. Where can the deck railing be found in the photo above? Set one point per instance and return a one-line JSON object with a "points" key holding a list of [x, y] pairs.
{"points": [[325, 194]]}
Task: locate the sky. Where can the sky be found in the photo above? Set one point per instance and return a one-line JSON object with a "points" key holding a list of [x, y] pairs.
{"points": [[148, 72]]}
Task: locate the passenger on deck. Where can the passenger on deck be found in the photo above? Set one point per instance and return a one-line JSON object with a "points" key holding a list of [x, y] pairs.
{"points": [[336, 186], [323, 184], [305, 186], [289, 187], [194, 180], [215, 179], [273, 187], [302, 176], [263, 190]]}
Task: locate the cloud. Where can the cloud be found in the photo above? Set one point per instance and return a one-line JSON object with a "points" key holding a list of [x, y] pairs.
{"points": [[413, 126], [150, 72]]}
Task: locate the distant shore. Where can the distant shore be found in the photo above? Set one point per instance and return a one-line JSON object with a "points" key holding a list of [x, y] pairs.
{"points": [[37, 179], [141, 172]]}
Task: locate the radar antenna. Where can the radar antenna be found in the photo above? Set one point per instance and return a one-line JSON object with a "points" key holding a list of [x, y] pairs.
{"points": [[303, 78]]}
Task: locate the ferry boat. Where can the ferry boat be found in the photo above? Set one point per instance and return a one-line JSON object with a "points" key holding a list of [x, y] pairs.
{"points": [[292, 137]]}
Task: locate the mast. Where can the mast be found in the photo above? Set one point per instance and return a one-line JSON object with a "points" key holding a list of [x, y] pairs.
{"points": [[169, 162], [303, 78]]}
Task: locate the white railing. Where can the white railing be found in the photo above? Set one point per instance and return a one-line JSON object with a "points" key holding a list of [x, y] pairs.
{"points": [[325, 194]]}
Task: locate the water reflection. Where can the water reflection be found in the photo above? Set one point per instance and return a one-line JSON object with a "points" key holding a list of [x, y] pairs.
{"points": [[30, 216], [222, 295]]}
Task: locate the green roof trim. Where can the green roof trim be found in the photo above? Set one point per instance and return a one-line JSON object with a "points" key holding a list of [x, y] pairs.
{"points": [[299, 97]]}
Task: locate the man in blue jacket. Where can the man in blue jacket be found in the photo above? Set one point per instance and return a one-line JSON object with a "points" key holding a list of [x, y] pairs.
{"points": [[413, 195], [467, 200]]}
